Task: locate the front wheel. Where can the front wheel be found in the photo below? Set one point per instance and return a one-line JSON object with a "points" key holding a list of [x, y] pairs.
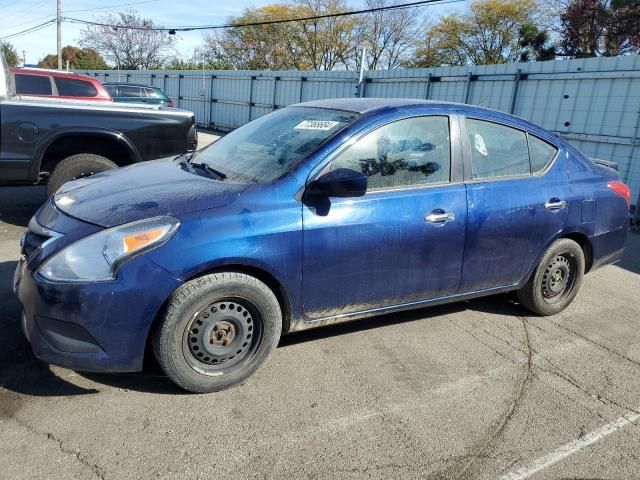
{"points": [[216, 331], [556, 280]]}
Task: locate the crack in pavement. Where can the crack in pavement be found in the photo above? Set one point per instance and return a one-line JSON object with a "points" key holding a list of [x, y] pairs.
{"points": [[598, 344], [483, 448], [79, 456], [529, 351]]}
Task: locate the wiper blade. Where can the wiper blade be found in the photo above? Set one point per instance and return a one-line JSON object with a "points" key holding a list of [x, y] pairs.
{"points": [[209, 169], [184, 157]]}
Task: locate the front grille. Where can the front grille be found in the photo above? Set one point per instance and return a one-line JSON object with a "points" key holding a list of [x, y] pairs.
{"points": [[35, 238], [32, 242]]}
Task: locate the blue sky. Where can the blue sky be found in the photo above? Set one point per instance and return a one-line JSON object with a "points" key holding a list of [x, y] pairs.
{"points": [[18, 15]]}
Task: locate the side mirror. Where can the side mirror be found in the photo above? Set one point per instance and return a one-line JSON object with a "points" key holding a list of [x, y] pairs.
{"points": [[341, 182]]}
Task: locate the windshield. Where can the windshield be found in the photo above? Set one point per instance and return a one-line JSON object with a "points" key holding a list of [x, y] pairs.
{"points": [[272, 145]]}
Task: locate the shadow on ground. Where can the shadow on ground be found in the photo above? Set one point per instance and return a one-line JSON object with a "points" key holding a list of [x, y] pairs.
{"points": [[631, 260], [18, 204], [20, 371]]}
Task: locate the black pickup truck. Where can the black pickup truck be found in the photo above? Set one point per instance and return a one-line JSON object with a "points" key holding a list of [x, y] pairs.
{"points": [[54, 141]]}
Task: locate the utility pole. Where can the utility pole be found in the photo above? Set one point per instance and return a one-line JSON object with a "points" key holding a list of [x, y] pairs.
{"points": [[59, 33], [24, 58]]}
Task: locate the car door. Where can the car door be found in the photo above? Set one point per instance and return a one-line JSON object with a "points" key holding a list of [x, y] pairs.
{"points": [[401, 242], [517, 202]]}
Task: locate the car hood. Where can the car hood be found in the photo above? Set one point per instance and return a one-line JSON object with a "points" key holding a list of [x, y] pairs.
{"points": [[143, 190]]}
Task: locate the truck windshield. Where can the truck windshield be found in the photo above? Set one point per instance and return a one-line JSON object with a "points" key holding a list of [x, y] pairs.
{"points": [[268, 147]]}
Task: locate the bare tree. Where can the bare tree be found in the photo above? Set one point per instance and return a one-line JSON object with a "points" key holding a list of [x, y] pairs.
{"points": [[389, 36], [128, 48]]}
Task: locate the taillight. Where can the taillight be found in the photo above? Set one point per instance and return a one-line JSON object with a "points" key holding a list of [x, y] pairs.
{"points": [[621, 189], [170, 104]]}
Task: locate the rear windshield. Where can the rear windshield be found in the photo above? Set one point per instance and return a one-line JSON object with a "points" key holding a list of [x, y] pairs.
{"points": [[72, 87], [270, 146], [158, 93]]}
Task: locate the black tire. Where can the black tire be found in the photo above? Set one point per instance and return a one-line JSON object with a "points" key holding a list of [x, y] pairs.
{"points": [[201, 315], [556, 280], [77, 166]]}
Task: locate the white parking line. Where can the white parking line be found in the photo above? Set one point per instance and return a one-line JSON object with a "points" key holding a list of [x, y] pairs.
{"points": [[570, 448]]}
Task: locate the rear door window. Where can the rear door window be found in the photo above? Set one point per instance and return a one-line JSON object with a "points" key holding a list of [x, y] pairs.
{"points": [[128, 91], [32, 84], [72, 87], [497, 150]]}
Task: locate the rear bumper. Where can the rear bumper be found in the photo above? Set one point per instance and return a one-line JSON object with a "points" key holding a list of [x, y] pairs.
{"points": [[98, 327]]}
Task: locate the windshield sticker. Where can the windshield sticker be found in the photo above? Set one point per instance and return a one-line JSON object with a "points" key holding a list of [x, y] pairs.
{"points": [[479, 144], [315, 125]]}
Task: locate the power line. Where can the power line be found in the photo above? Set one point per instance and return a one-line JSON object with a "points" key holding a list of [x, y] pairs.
{"points": [[107, 7], [24, 10], [265, 22], [30, 30]]}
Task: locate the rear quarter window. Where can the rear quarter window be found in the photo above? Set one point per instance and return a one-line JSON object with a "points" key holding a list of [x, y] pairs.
{"points": [[32, 84], [71, 87], [541, 154]]}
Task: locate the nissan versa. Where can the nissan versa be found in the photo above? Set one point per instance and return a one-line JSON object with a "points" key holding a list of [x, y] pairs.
{"points": [[322, 212]]}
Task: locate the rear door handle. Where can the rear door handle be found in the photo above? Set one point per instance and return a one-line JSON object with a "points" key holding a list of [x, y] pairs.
{"points": [[555, 204], [440, 217]]}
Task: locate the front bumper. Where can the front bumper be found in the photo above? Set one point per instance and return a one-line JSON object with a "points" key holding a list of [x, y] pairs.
{"points": [[93, 326]]}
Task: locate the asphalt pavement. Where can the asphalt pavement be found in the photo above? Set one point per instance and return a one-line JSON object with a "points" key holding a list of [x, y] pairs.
{"points": [[474, 390]]}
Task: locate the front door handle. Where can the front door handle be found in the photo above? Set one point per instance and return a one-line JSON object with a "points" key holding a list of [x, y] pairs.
{"points": [[440, 217], [555, 204]]}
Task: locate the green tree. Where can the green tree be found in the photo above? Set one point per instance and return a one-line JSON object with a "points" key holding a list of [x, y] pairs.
{"points": [[79, 59], [327, 43], [589, 28], [490, 32], [535, 43], [179, 64], [260, 47], [10, 54], [319, 44]]}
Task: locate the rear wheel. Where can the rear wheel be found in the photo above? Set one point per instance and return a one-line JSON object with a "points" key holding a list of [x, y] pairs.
{"points": [[556, 280], [216, 331], [77, 166]]}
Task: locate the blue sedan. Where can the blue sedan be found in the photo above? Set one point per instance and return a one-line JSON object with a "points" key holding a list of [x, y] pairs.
{"points": [[322, 212]]}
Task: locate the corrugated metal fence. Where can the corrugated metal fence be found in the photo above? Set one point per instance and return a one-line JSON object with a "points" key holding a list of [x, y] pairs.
{"points": [[594, 103]]}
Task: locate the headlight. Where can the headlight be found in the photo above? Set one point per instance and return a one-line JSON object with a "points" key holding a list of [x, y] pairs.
{"points": [[98, 257]]}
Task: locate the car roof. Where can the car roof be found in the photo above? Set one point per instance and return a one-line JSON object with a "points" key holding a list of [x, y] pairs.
{"points": [[40, 71], [372, 105], [367, 105], [124, 84], [46, 72]]}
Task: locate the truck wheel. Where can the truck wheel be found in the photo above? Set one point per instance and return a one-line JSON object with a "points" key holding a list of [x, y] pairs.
{"points": [[216, 331], [77, 166], [556, 280]]}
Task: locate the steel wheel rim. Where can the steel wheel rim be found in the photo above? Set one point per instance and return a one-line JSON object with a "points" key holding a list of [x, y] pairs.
{"points": [[222, 335], [559, 278]]}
